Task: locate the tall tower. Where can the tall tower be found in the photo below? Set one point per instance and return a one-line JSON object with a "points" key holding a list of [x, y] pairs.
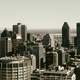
{"points": [[21, 30], [78, 38], [65, 35], [5, 44]]}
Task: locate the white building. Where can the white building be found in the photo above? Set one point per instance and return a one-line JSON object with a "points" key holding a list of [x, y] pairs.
{"points": [[57, 75], [15, 68], [33, 63]]}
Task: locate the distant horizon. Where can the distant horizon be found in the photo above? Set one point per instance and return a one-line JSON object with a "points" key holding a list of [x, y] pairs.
{"points": [[34, 29], [45, 30]]}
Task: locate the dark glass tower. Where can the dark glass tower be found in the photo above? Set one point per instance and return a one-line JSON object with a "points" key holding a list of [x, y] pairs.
{"points": [[21, 30], [65, 35], [5, 44], [78, 38]]}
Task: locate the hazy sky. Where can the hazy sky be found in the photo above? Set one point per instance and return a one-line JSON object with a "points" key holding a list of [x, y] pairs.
{"points": [[39, 14]]}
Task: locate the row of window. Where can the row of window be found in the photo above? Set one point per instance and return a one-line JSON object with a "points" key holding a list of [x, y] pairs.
{"points": [[4, 65]]}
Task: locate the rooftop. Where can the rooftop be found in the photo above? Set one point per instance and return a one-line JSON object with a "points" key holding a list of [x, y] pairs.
{"points": [[15, 59]]}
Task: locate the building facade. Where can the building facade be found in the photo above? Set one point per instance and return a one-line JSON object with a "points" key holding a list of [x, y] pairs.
{"points": [[59, 75], [20, 29], [5, 46], [78, 38], [65, 35], [15, 68]]}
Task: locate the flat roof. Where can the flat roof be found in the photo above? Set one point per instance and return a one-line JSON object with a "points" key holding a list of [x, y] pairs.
{"points": [[15, 59]]}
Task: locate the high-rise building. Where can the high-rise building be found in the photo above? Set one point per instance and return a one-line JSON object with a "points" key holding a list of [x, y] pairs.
{"points": [[41, 55], [5, 47], [17, 44], [20, 29], [61, 57], [15, 68], [78, 38], [51, 59], [65, 35], [5, 44]]}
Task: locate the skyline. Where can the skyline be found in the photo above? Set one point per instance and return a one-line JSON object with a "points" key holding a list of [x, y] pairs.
{"points": [[39, 14]]}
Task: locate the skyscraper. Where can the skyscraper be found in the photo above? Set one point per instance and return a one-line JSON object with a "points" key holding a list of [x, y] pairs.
{"points": [[18, 45], [78, 38], [20, 29], [65, 35], [5, 44]]}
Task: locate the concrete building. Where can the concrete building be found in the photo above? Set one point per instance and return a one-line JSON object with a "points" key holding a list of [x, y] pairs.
{"points": [[57, 75], [15, 68], [41, 56], [33, 63], [62, 74]]}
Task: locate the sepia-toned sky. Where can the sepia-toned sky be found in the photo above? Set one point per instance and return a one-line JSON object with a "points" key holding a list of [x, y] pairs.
{"points": [[39, 14]]}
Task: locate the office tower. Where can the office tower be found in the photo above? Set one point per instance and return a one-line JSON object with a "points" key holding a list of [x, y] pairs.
{"points": [[20, 47], [5, 44], [17, 44], [5, 47], [15, 68], [78, 38], [61, 57], [51, 59], [20, 29], [65, 35]]}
